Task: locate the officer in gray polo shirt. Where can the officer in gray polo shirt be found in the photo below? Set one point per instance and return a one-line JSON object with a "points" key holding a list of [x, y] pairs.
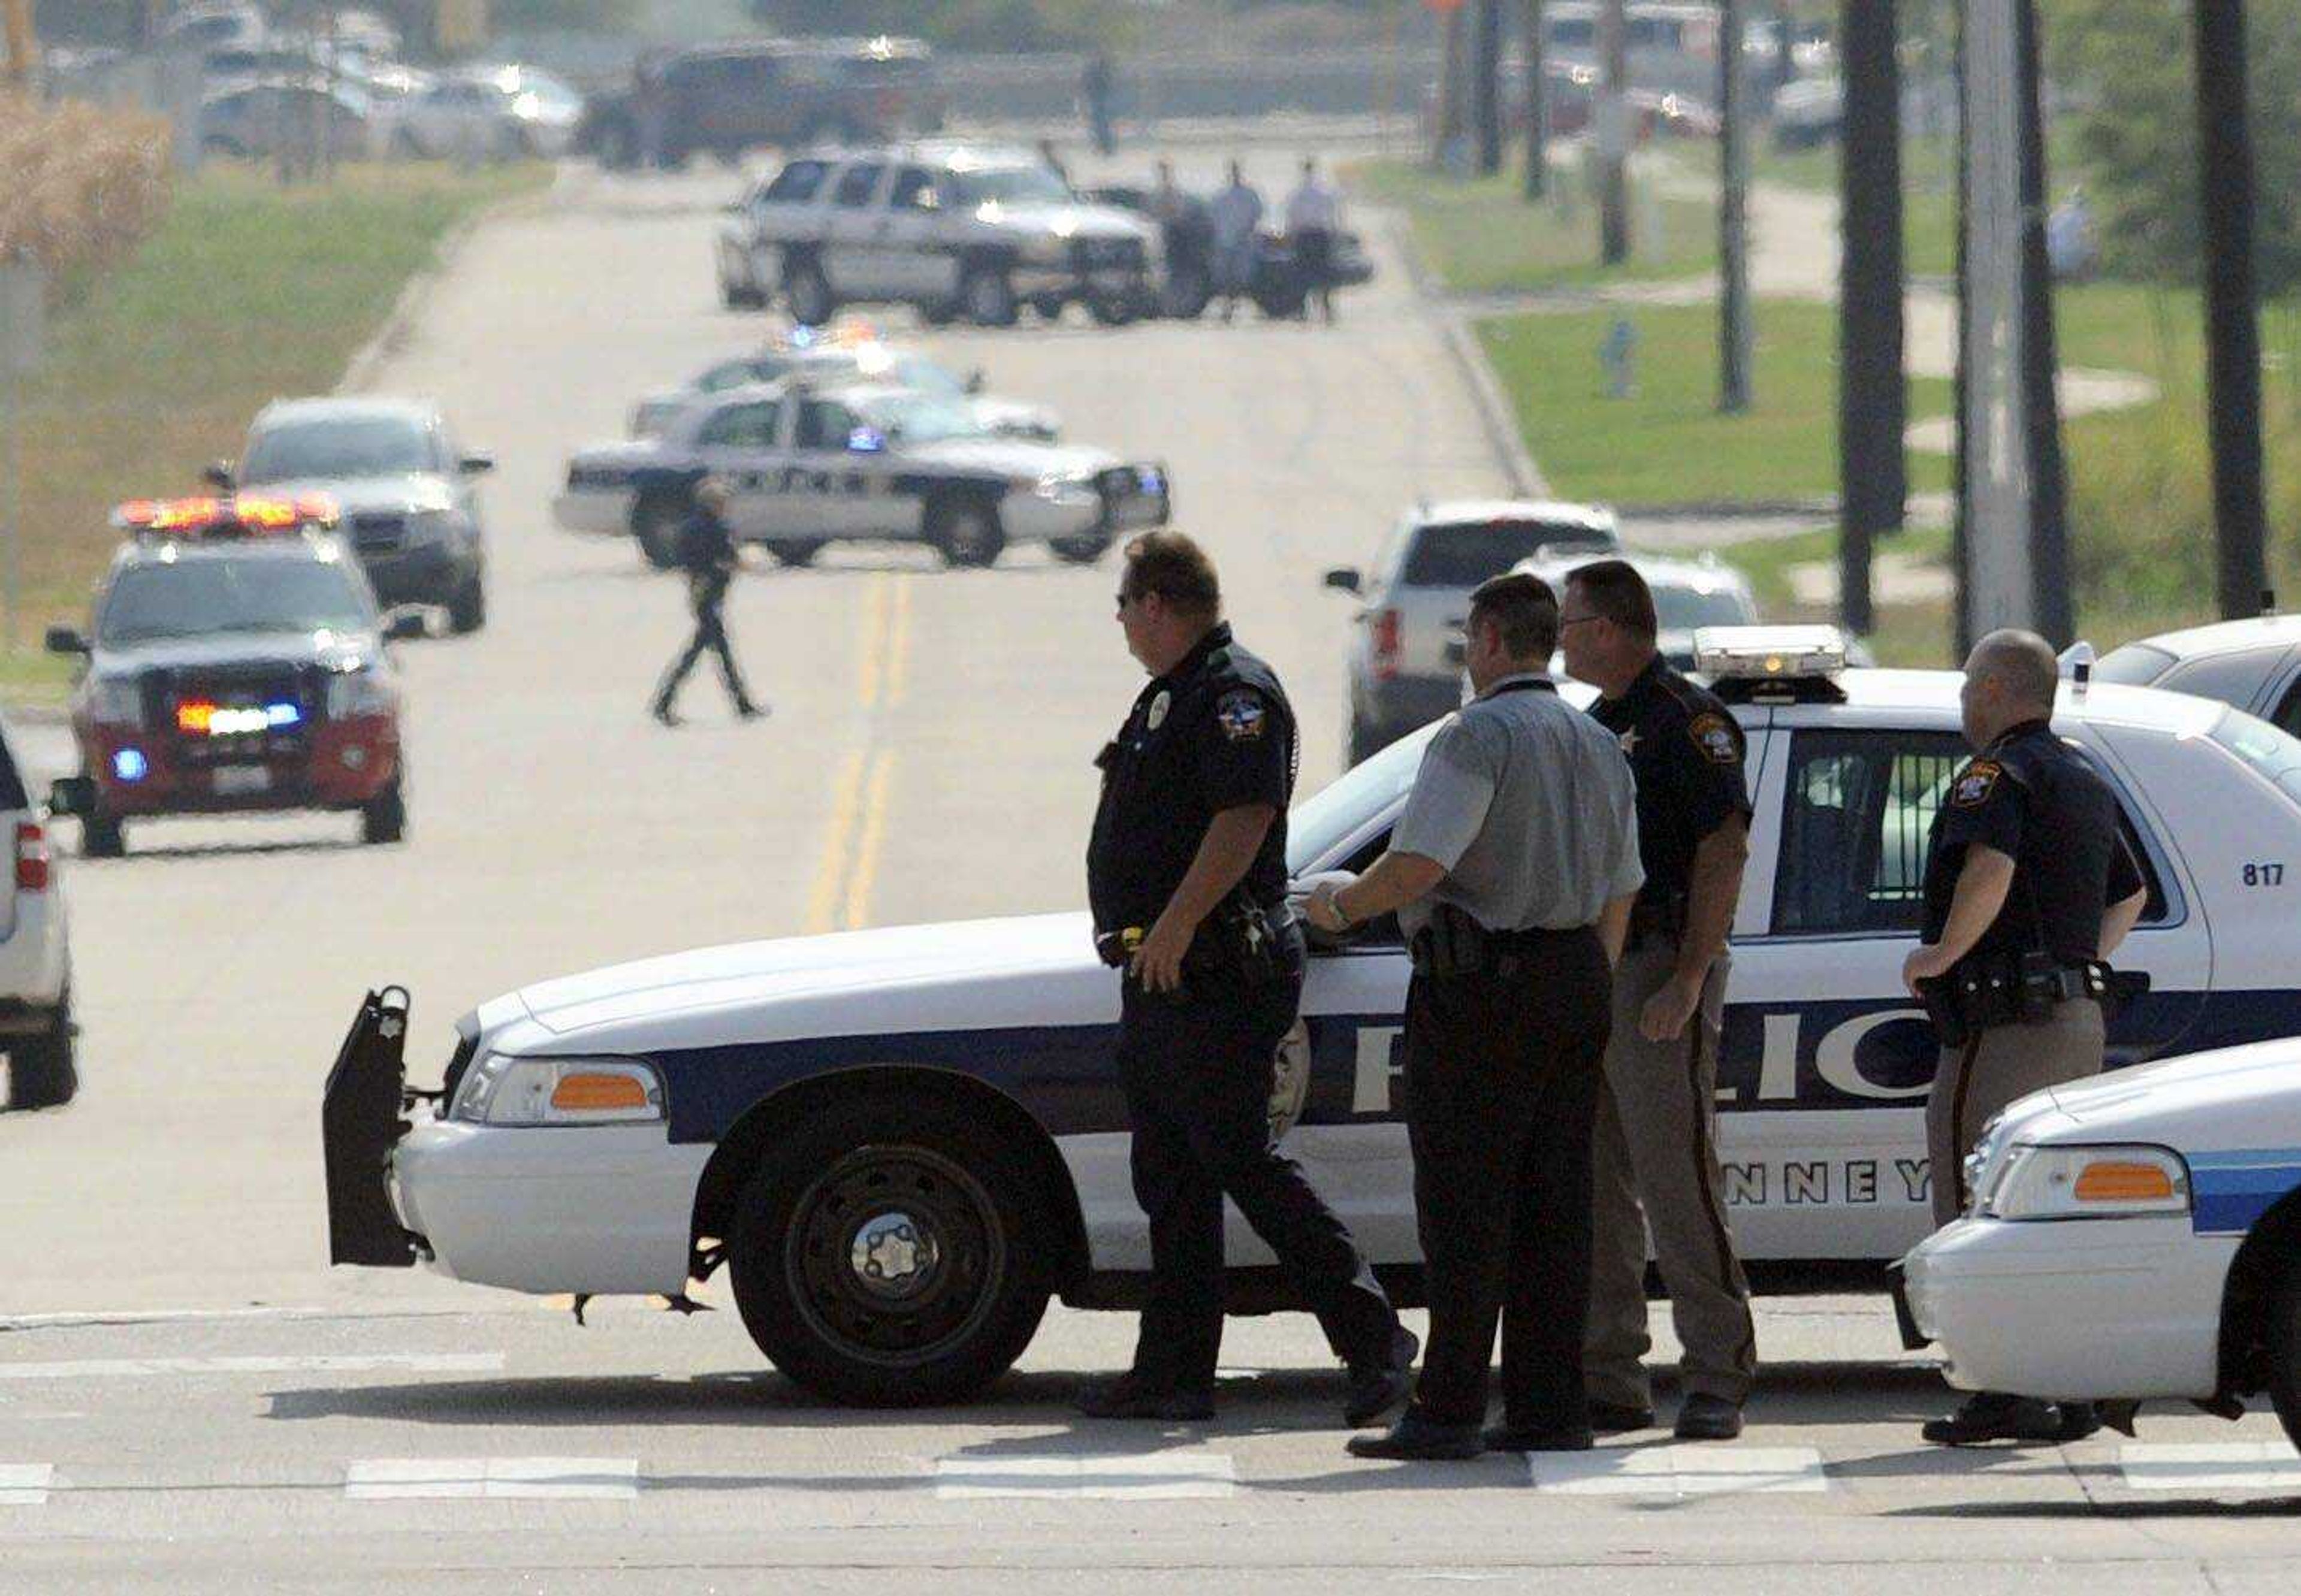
{"points": [[1513, 869]]}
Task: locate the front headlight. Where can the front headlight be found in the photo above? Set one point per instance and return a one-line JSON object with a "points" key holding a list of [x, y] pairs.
{"points": [[116, 701], [2090, 1183], [368, 690], [504, 1089]]}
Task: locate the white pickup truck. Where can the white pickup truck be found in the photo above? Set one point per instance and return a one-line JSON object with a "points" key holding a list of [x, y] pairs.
{"points": [[956, 230], [36, 1023]]}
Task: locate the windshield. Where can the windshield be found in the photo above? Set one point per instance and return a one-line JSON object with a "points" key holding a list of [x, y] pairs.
{"points": [[922, 418], [196, 597], [1011, 186], [1322, 822], [347, 445], [1683, 609], [2272, 754]]}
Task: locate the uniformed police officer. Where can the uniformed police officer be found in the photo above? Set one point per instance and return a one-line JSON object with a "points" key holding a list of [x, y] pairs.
{"points": [[1513, 868], [1656, 1149], [1187, 875], [2029, 887], [707, 554]]}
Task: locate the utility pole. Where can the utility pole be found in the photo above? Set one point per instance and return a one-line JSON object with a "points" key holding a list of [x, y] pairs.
{"points": [[1872, 476], [1537, 107], [2233, 335], [1452, 74], [1732, 213], [1612, 113], [23, 43], [1486, 86]]}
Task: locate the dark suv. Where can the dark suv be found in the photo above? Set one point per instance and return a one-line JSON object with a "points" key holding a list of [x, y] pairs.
{"points": [[732, 97]]}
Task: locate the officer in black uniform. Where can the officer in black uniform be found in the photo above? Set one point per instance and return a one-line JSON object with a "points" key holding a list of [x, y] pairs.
{"points": [[1186, 873], [1654, 1165], [707, 554], [2030, 887]]}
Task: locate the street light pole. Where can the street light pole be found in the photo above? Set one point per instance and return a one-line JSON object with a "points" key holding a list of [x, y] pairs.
{"points": [[1733, 214], [1613, 134]]}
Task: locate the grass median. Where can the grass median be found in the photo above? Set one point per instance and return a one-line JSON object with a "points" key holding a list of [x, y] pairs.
{"points": [[1479, 235], [247, 291]]}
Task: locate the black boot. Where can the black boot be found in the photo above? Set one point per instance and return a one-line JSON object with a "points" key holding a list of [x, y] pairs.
{"points": [[1994, 1415]]}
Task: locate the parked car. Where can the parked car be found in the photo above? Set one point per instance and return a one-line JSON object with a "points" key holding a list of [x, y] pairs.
{"points": [[1415, 600], [495, 111], [253, 120], [2254, 664], [727, 100], [1688, 595], [35, 1008]]}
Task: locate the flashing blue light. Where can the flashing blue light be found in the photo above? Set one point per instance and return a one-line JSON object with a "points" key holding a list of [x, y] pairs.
{"points": [[128, 765], [866, 440], [801, 336], [1148, 477], [283, 714]]}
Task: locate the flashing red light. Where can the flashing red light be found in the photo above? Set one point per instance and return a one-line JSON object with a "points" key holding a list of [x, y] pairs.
{"points": [[1387, 626], [31, 856], [231, 517]]}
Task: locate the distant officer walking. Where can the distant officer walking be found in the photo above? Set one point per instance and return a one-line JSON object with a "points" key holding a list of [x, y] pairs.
{"points": [[1657, 1153], [1314, 216], [1186, 873], [1237, 215], [2030, 887], [1513, 868], [707, 554]]}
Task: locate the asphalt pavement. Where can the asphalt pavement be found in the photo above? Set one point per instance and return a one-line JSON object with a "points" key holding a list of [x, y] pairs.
{"points": [[190, 1401]]}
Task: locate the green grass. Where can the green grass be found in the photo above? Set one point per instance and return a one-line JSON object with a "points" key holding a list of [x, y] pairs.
{"points": [[247, 291], [1479, 235], [1667, 443]]}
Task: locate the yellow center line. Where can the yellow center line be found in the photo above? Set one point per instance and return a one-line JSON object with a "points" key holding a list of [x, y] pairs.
{"points": [[871, 674], [866, 846], [823, 903], [858, 826], [898, 642]]}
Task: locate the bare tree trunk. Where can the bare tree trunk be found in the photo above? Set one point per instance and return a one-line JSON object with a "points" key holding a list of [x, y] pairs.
{"points": [[1537, 107], [1732, 213], [1613, 134], [1871, 401]]}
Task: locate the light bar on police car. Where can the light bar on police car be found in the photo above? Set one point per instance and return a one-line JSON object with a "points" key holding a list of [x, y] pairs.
{"points": [[236, 515], [1779, 653]]}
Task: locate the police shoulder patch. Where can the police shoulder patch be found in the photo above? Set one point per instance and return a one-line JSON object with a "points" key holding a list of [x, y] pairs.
{"points": [[1975, 784], [1714, 735], [1241, 715]]}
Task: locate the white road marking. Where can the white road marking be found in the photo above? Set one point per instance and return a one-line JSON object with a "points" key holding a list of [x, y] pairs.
{"points": [[1698, 1470], [25, 1484], [2214, 1466], [1118, 1476], [351, 1363], [498, 1479]]}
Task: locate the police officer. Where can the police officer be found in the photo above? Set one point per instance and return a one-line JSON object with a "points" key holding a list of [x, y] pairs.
{"points": [[1513, 868], [2030, 887], [1656, 1149], [706, 553], [1187, 872]]}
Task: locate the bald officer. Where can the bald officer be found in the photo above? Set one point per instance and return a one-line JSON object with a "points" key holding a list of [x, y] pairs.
{"points": [[2030, 887], [1513, 868]]}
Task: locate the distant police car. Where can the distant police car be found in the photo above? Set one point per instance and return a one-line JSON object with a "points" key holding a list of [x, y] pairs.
{"points": [[2253, 664], [811, 465], [2132, 1238], [901, 1141], [236, 663]]}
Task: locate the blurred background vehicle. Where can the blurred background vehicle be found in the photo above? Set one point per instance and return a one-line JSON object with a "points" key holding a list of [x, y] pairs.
{"points": [[35, 1012], [495, 112], [256, 120], [2253, 665]]}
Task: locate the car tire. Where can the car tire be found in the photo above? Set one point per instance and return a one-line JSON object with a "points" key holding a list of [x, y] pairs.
{"points": [[1079, 551], [655, 525], [939, 313], [965, 531], [42, 1070], [102, 836], [807, 293], [1113, 310], [950, 1206], [383, 818], [797, 551], [1049, 308], [988, 298], [1186, 294], [467, 605]]}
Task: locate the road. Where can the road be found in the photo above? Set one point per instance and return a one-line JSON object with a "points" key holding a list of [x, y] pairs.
{"points": [[188, 1401]]}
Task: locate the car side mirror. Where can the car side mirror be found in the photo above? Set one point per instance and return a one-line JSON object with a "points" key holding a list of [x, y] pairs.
{"points": [[217, 474], [72, 795], [975, 380], [477, 464], [64, 640], [406, 623], [1342, 578]]}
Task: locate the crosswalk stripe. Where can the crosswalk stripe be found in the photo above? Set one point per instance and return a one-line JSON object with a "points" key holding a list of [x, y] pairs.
{"points": [[352, 1363], [400, 1479], [2212, 1466], [1678, 1470], [25, 1484], [1120, 1476]]}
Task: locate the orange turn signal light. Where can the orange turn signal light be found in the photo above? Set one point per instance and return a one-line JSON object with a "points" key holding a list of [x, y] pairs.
{"points": [[593, 1091], [2112, 1181]]}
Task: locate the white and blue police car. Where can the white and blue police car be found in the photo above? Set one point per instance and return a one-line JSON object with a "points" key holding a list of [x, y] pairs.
{"points": [[902, 1143]]}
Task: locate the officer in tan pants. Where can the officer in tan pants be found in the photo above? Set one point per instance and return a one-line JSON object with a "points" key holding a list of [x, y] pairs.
{"points": [[1655, 1165]]}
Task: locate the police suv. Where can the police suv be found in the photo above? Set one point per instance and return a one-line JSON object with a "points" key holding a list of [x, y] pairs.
{"points": [[237, 664], [901, 1141], [814, 463]]}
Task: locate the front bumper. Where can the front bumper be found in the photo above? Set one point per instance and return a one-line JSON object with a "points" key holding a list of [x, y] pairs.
{"points": [[603, 512], [1121, 499], [342, 765], [2084, 1310]]}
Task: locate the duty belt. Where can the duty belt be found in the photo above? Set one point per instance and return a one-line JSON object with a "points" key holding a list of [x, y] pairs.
{"points": [[1455, 944]]}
